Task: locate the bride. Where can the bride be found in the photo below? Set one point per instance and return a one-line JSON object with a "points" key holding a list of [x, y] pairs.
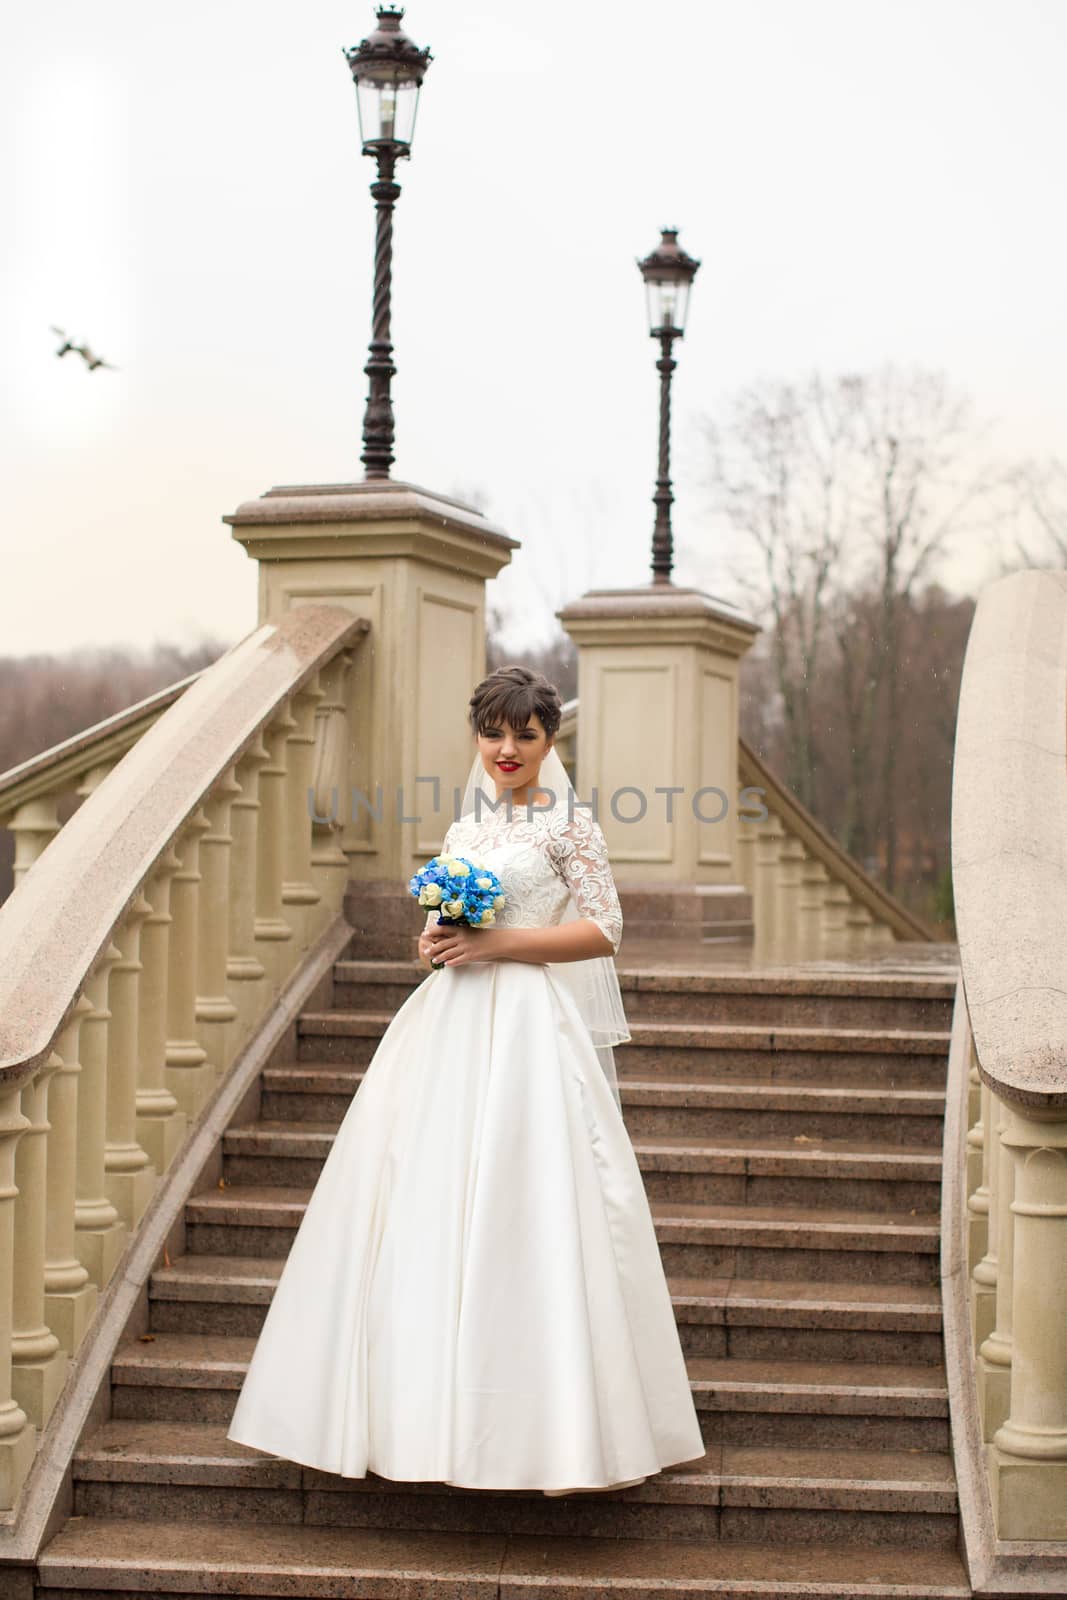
{"points": [[475, 1295]]}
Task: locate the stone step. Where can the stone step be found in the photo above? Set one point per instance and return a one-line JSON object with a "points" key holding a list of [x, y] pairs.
{"points": [[812, 998], [793, 996], [715, 1316], [893, 1057], [157, 1470], [726, 1051], [695, 1239], [686, 1105], [805, 1168], [104, 1557], [196, 1377]]}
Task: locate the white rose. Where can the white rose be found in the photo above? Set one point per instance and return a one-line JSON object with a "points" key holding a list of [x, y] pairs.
{"points": [[430, 894], [454, 908], [487, 916], [498, 901]]}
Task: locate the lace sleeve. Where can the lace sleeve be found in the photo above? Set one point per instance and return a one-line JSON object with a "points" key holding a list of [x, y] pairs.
{"points": [[579, 853]]}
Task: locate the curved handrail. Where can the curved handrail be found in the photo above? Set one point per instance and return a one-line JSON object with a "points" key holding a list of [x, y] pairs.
{"points": [[1009, 836], [55, 928], [61, 765]]}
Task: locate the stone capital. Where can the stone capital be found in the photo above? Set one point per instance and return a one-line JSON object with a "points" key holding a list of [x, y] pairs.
{"points": [[358, 521], [658, 614]]}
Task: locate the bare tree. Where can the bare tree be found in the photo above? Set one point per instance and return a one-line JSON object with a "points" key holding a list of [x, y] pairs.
{"points": [[1040, 514], [844, 493]]}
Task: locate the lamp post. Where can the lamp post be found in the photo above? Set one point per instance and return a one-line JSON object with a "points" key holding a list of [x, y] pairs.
{"points": [[668, 273], [388, 70]]}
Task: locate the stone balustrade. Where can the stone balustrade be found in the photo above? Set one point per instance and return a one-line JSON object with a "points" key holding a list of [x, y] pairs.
{"points": [[811, 901], [143, 942], [1005, 1212]]}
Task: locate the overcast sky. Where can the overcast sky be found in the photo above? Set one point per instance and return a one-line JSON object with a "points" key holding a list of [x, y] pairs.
{"points": [[863, 180]]}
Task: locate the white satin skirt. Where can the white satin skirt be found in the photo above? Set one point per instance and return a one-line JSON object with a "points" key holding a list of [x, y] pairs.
{"points": [[475, 1294]]}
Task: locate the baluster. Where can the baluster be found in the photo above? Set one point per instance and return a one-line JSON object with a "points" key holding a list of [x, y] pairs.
{"points": [[767, 907], [836, 901], [215, 1011], [39, 1365], [272, 931], [1028, 1456], [34, 824], [811, 926], [329, 864], [189, 1074], [995, 1354], [791, 858], [70, 1294], [93, 777], [17, 1433], [858, 927], [99, 1232], [161, 1123], [244, 970], [129, 1174], [299, 894], [977, 1167], [984, 1275]]}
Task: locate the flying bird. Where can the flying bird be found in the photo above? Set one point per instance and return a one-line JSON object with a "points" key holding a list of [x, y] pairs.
{"points": [[82, 350]]}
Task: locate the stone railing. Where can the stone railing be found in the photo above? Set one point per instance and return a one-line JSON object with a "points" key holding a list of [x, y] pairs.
{"points": [[144, 944], [811, 901], [1005, 1203]]}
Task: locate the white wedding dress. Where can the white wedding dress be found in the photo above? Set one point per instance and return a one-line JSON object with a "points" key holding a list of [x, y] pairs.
{"points": [[475, 1295]]}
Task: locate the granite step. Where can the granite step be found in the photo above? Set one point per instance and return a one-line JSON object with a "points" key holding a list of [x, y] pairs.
{"points": [[104, 1557], [849, 999], [696, 1239], [183, 1377], [795, 997], [867, 1056], [715, 1316], [806, 1168], [158, 1469], [319, 1090]]}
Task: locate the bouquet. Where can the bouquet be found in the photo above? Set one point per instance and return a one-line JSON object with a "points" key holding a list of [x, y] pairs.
{"points": [[460, 889]]}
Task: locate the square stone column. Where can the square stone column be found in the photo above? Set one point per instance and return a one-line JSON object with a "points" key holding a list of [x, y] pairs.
{"points": [[415, 564], [657, 710]]}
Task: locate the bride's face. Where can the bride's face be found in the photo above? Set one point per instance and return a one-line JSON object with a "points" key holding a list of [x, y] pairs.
{"points": [[512, 756]]}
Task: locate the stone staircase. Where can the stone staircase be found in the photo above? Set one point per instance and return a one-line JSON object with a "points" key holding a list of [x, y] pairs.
{"points": [[789, 1131]]}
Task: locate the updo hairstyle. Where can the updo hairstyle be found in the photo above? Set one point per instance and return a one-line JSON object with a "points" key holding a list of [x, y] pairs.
{"points": [[513, 694]]}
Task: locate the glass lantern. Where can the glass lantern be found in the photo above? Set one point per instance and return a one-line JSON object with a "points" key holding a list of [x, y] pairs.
{"points": [[388, 70], [668, 273]]}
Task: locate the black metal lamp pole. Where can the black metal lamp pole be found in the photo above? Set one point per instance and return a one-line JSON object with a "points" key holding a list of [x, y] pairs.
{"points": [[668, 273], [388, 70]]}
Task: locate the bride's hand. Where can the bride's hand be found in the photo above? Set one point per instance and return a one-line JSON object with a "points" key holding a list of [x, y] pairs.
{"points": [[455, 946]]}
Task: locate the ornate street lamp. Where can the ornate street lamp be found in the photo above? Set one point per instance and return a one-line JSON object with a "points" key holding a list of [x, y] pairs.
{"points": [[388, 70], [668, 273]]}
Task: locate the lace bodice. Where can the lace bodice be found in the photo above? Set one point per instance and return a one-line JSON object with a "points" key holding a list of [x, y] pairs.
{"points": [[540, 861]]}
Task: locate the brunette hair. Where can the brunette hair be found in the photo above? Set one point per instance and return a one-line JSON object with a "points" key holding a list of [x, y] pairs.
{"points": [[513, 694]]}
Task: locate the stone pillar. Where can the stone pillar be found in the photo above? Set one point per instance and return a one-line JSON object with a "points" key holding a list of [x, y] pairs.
{"points": [[17, 1433], [299, 895], [129, 1174], [995, 1353], [1028, 1456], [70, 1295], [245, 974], [39, 1364], [657, 690], [161, 1124], [188, 1074], [99, 1232], [415, 565], [215, 1010]]}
